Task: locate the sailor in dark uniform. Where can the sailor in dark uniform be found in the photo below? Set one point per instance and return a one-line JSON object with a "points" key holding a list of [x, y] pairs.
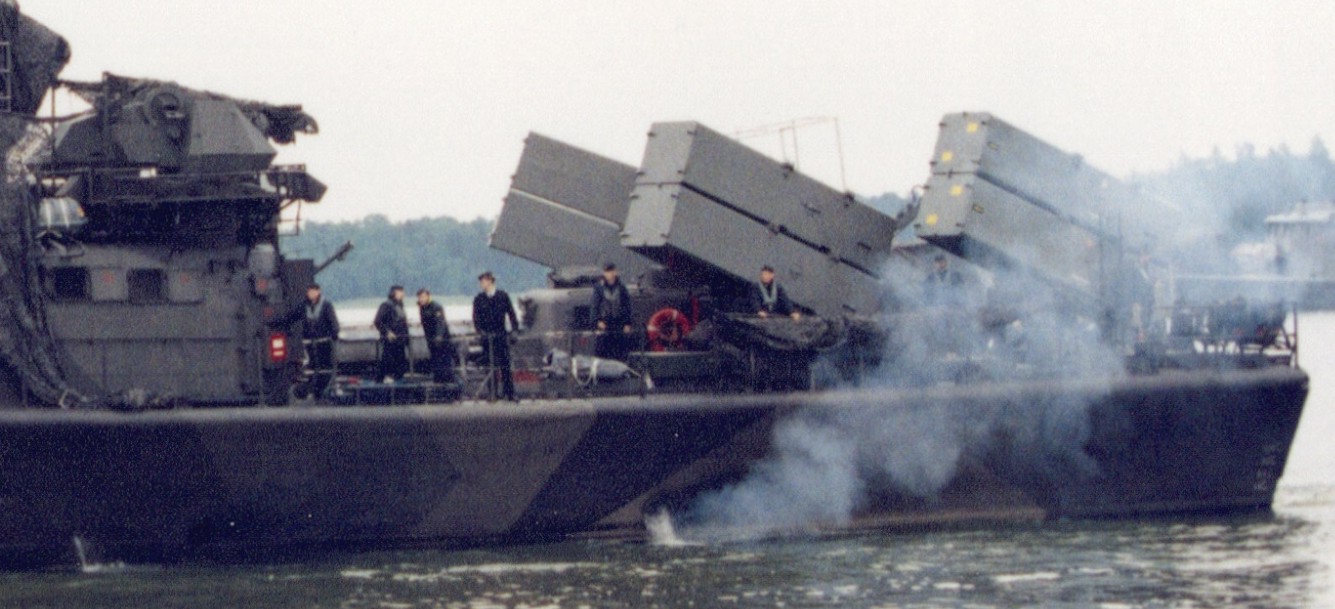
{"points": [[768, 297], [944, 286], [392, 323], [491, 307], [1141, 288], [319, 331], [950, 317], [612, 315], [437, 333]]}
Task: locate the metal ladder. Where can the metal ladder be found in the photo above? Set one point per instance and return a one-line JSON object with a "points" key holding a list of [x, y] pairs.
{"points": [[6, 76], [9, 25]]}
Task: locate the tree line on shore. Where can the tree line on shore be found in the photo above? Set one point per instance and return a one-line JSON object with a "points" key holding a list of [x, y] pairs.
{"points": [[442, 254]]}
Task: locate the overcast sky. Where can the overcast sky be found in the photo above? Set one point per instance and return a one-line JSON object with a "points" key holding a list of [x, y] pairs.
{"points": [[423, 105]]}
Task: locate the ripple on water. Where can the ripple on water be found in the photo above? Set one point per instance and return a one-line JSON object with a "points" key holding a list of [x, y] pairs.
{"points": [[528, 567], [1006, 579], [360, 573]]}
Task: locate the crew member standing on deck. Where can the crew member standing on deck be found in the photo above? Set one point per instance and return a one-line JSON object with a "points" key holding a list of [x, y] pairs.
{"points": [[392, 323], [612, 315], [768, 297], [944, 287], [491, 307], [319, 331], [943, 293], [437, 333]]}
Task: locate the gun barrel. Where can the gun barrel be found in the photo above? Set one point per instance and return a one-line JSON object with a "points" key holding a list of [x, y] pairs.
{"points": [[338, 256]]}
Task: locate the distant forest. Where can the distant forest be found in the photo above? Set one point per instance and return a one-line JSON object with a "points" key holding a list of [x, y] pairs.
{"points": [[1227, 199], [444, 255], [1243, 190]]}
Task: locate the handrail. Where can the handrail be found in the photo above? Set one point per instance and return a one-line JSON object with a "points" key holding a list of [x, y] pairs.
{"points": [[636, 362]]}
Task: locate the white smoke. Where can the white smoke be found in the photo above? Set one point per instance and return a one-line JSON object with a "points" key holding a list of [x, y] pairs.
{"points": [[829, 462], [810, 481]]}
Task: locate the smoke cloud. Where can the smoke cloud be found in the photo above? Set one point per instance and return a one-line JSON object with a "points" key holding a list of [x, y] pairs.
{"points": [[829, 462]]}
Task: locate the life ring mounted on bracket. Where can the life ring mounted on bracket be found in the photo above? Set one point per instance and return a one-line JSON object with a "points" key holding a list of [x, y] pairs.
{"points": [[666, 329]]}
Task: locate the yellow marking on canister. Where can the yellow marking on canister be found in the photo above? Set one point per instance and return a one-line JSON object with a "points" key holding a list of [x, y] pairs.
{"points": [[972, 128], [931, 220], [956, 190], [947, 156]]}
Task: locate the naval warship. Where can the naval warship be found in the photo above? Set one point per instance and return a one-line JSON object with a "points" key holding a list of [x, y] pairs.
{"points": [[153, 411]]}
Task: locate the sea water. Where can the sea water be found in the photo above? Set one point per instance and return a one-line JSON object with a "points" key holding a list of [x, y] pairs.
{"points": [[1275, 561]]}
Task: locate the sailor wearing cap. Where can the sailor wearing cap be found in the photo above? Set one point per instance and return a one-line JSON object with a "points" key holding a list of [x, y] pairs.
{"points": [[612, 315], [768, 297], [491, 307]]}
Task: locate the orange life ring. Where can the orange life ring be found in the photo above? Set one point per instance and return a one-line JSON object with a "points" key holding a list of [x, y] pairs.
{"points": [[666, 328]]}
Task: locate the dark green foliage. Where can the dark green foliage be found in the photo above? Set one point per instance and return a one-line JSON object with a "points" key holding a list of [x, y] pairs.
{"points": [[1235, 195], [889, 203], [444, 255]]}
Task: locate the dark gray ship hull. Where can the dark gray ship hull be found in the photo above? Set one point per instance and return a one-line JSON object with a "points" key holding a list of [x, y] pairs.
{"points": [[251, 482]]}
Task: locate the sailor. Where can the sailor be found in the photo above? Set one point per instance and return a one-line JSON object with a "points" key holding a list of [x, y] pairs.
{"points": [[491, 307], [949, 317], [612, 315], [437, 333], [1142, 286], [768, 297], [392, 323], [319, 330], [944, 286]]}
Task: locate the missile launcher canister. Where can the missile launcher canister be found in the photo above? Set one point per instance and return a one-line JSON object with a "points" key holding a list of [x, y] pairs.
{"points": [[565, 210], [706, 202], [1005, 199]]}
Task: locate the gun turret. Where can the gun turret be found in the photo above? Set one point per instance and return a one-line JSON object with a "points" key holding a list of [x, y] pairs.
{"points": [[147, 123], [155, 160]]}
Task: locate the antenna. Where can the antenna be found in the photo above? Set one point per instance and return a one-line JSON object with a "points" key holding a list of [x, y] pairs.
{"points": [[787, 133]]}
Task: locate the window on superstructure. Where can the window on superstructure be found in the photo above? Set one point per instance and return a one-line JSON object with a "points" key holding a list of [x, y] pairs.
{"points": [[69, 283], [147, 285]]}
